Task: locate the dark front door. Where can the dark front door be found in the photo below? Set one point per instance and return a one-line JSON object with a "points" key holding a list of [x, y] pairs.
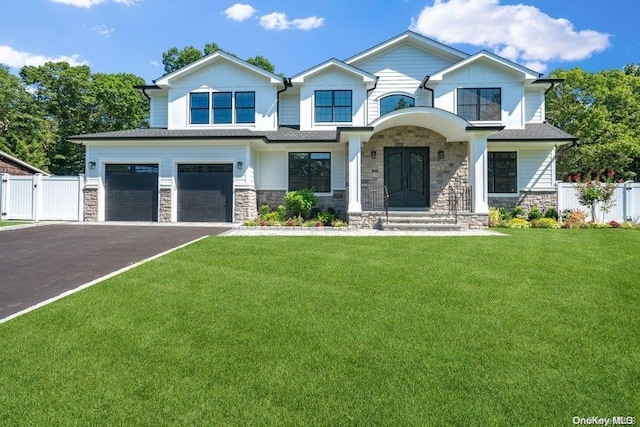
{"points": [[205, 193], [406, 175], [131, 192]]}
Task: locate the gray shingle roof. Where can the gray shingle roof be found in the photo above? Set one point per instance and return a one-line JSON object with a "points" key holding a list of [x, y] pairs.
{"points": [[533, 132], [281, 135]]}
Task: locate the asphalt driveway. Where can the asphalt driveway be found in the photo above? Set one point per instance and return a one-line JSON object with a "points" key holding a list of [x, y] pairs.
{"points": [[39, 263]]}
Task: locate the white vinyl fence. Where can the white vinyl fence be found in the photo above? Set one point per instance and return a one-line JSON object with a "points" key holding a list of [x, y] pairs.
{"points": [[626, 207], [41, 198]]}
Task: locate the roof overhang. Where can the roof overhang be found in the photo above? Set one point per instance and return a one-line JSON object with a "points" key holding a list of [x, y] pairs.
{"points": [[447, 124], [367, 78], [26, 165]]}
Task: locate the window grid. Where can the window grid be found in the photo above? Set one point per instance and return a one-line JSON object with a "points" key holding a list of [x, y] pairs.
{"points": [[310, 170], [199, 104], [480, 104], [220, 106], [333, 106], [502, 171], [245, 107]]}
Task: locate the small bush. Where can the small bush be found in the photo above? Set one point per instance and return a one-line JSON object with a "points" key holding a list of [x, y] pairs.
{"points": [[251, 223], [548, 223], [272, 218], [495, 219], [338, 223], [300, 202], [518, 212], [627, 225], [551, 213], [574, 218], [264, 210], [327, 217], [534, 213], [518, 223], [505, 214]]}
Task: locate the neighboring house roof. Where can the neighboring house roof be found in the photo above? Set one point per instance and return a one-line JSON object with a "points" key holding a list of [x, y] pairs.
{"points": [[533, 132], [484, 55], [166, 80], [367, 78], [21, 163], [407, 36]]}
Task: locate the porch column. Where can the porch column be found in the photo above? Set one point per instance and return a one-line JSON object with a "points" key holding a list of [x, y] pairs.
{"points": [[478, 174], [355, 176]]}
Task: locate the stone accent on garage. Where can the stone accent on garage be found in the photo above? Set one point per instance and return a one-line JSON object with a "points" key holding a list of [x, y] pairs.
{"points": [[246, 206], [165, 205], [90, 202], [451, 170], [526, 200]]}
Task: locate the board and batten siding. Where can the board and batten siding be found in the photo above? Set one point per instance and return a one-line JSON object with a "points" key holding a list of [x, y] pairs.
{"points": [[159, 111], [400, 71], [223, 77], [484, 76], [536, 170], [534, 106], [274, 168]]}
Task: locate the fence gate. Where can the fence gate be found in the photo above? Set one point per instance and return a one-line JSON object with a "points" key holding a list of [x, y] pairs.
{"points": [[37, 197]]}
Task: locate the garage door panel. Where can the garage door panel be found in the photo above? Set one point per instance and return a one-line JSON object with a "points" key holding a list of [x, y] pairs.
{"points": [[131, 192], [205, 193]]}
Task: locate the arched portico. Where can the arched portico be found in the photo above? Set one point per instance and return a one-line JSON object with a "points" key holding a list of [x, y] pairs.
{"points": [[419, 149]]}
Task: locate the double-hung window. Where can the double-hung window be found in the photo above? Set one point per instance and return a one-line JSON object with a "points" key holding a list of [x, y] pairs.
{"points": [[310, 170], [503, 171], [480, 104], [222, 108], [333, 106]]}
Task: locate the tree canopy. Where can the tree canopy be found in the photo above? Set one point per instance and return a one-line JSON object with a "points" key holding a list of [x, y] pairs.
{"points": [[603, 111], [174, 58]]}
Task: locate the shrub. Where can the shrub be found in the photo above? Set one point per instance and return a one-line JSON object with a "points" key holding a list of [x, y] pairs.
{"points": [[614, 224], [627, 225], [300, 202], [272, 218], [264, 209], [327, 217], [338, 223], [551, 213], [505, 214], [518, 212], [574, 218], [251, 223], [518, 223], [534, 213], [548, 223], [495, 219]]}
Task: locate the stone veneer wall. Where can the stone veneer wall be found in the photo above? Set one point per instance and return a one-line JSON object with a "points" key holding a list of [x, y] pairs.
{"points": [[165, 205], [90, 201], [246, 206], [451, 170], [273, 198], [526, 200]]}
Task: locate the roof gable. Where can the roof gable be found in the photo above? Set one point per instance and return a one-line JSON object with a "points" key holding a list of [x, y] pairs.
{"points": [[21, 163], [208, 61], [367, 78], [494, 60], [408, 37]]}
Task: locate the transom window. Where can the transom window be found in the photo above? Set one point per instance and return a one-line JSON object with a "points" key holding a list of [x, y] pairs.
{"points": [[222, 108], [503, 167], [480, 104], [310, 170], [395, 102], [333, 106]]}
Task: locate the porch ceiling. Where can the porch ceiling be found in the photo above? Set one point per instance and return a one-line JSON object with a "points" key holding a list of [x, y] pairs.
{"points": [[452, 127]]}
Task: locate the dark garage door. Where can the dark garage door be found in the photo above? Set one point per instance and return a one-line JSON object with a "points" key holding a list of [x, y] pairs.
{"points": [[131, 192], [205, 193]]}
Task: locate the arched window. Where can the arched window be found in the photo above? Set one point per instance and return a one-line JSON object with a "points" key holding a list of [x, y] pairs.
{"points": [[395, 102]]}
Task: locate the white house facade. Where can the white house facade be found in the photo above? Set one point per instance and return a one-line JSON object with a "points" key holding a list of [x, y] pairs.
{"points": [[410, 124]]}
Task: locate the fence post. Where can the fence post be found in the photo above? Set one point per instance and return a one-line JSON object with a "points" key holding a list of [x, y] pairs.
{"points": [[626, 203], [37, 197], [81, 183], [4, 187]]}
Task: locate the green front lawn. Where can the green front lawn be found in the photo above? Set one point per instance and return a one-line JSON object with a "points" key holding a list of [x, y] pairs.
{"points": [[10, 223], [533, 328]]}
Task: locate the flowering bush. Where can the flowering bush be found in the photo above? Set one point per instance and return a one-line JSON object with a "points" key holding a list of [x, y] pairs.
{"points": [[614, 224], [593, 189], [548, 223], [518, 223], [574, 218]]}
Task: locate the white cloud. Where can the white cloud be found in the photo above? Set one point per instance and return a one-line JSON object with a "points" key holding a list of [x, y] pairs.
{"points": [[279, 21], [17, 59], [240, 12], [103, 30], [90, 3], [519, 32], [155, 63]]}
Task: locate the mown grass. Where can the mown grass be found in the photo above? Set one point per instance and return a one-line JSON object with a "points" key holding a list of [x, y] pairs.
{"points": [[533, 328], [11, 223]]}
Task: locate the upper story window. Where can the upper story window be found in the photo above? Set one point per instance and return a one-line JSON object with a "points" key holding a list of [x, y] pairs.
{"points": [[395, 102], [333, 106], [224, 108], [480, 104], [503, 171], [310, 170]]}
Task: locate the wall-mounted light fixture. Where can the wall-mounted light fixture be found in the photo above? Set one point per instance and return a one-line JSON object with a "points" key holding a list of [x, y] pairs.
{"points": [[92, 165], [240, 165], [440, 155], [374, 154]]}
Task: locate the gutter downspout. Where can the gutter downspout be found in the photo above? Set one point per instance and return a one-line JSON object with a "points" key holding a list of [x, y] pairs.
{"points": [[366, 111], [287, 84]]}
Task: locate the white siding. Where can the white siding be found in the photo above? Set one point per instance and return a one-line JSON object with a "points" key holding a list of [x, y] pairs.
{"points": [[534, 106], [290, 109], [332, 80], [536, 169], [158, 117], [223, 76], [479, 75], [400, 71]]}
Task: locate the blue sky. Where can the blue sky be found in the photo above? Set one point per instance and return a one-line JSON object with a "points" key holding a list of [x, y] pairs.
{"points": [[130, 35]]}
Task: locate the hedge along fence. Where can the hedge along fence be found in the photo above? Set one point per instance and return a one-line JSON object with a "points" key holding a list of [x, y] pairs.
{"points": [[626, 207], [39, 197]]}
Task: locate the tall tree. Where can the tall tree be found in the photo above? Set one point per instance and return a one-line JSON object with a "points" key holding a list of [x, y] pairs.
{"points": [[602, 110], [262, 62], [24, 132], [174, 58]]}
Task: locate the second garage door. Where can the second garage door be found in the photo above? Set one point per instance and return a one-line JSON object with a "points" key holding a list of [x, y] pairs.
{"points": [[205, 193]]}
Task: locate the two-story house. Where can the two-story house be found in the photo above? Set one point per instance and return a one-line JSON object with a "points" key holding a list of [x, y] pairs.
{"points": [[412, 119]]}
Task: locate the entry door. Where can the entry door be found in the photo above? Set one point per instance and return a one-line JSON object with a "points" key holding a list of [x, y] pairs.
{"points": [[406, 175]]}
